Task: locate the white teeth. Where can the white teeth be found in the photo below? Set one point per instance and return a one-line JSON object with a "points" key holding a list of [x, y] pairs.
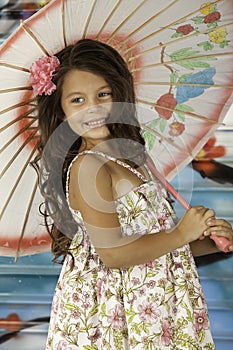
{"points": [[96, 122]]}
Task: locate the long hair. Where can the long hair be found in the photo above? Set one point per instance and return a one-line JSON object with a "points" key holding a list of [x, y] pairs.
{"points": [[59, 144]]}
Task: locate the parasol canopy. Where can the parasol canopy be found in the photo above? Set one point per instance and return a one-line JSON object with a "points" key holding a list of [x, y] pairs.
{"points": [[180, 54]]}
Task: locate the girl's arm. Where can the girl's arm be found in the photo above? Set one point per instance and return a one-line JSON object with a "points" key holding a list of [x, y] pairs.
{"points": [[92, 194], [203, 247]]}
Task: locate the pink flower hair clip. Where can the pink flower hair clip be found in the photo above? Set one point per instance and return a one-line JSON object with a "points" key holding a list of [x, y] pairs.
{"points": [[42, 72]]}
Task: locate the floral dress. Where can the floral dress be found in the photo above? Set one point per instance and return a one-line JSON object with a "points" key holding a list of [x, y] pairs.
{"points": [[158, 305]]}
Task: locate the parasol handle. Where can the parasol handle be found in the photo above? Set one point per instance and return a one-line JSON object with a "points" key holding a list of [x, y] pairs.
{"points": [[222, 242]]}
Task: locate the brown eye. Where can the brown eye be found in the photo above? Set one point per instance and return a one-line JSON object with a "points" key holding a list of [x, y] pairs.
{"points": [[105, 94], [78, 100]]}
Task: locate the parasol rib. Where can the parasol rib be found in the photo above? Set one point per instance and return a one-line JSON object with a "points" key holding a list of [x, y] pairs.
{"points": [[25, 115], [35, 39], [15, 89], [18, 152], [20, 132], [21, 104], [198, 116], [26, 218], [145, 23], [108, 18], [125, 20], [12, 66], [63, 23], [181, 60], [89, 18], [183, 84], [17, 181]]}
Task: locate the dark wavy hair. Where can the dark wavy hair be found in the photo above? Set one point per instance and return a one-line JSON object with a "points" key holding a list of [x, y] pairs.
{"points": [[59, 144]]}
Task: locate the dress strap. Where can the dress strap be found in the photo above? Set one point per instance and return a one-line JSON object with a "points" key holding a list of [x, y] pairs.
{"points": [[113, 159]]}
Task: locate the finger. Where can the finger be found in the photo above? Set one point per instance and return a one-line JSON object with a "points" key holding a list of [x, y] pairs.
{"points": [[209, 214], [219, 231], [199, 207], [201, 237], [218, 222]]}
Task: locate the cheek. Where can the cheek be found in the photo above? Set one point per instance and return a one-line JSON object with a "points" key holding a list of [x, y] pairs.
{"points": [[75, 125], [75, 120], [68, 111], [108, 105]]}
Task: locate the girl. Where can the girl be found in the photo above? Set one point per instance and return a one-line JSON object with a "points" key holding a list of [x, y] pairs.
{"points": [[128, 280]]}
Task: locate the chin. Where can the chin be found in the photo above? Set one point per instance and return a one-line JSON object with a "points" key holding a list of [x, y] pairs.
{"points": [[98, 134]]}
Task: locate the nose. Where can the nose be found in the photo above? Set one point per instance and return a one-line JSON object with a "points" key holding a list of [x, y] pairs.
{"points": [[93, 105]]}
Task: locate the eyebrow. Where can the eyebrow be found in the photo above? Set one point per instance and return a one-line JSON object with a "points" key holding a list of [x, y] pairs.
{"points": [[80, 93]]}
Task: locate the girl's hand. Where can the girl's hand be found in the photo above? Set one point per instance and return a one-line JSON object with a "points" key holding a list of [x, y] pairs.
{"points": [[220, 228], [194, 223]]}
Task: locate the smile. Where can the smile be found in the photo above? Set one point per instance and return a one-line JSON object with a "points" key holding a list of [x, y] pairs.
{"points": [[96, 123]]}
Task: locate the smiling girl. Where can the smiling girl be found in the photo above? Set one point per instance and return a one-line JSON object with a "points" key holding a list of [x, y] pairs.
{"points": [[128, 280]]}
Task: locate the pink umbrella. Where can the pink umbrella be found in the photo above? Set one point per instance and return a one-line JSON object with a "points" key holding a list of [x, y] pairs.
{"points": [[180, 54]]}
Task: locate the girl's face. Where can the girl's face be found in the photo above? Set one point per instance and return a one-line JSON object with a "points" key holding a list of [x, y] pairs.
{"points": [[86, 102]]}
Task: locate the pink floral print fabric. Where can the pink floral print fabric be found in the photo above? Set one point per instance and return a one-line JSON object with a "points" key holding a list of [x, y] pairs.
{"points": [[154, 306]]}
